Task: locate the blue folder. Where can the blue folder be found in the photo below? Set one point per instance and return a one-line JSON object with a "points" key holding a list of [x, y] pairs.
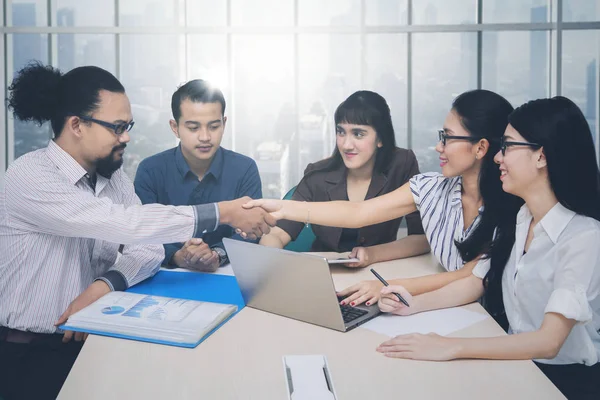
{"points": [[192, 286], [184, 285]]}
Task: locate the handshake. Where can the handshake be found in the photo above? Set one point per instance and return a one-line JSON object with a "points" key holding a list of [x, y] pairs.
{"points": [[250, 218]]}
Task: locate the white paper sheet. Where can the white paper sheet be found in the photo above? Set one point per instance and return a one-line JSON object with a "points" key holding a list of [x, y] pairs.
{"points": [[442, 322], [224, 270]]}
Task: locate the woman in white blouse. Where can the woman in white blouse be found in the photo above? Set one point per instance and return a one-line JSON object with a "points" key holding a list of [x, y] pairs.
{"points": [[545, 271], [460, 208]]}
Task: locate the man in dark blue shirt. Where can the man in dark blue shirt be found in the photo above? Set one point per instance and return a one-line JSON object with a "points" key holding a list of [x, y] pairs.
{"points": [[197, 171]]}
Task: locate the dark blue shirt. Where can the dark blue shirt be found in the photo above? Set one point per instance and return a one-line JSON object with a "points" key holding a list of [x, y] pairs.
{"points": [[166, 178]]}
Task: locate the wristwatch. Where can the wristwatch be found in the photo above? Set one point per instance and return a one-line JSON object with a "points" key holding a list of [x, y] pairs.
{"points": [[223, 259]]}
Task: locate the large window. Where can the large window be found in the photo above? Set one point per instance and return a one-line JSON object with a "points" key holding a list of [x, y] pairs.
{"points": [[285, 65]]}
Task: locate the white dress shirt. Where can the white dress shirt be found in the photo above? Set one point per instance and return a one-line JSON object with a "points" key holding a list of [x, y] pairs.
{"points": [[58, 234], [560, 273], [439, 200]]}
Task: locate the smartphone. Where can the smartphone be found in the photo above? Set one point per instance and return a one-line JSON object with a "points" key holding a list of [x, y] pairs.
{"points": [[342, 260]]}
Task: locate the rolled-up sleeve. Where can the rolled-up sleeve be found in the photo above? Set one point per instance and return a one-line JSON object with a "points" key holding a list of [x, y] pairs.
{"points": [[577, 280], [571, 303], [481, 268]]}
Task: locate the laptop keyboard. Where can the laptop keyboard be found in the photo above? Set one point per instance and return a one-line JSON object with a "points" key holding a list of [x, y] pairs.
{"points": [[350, 313]]}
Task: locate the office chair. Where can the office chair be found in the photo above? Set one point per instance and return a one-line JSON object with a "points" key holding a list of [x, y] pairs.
{"points": [[306, 237]]}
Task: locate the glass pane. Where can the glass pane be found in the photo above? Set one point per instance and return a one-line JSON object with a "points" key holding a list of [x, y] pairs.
{"points": [[386, 75], [150, 68], [580, 58], [264, 109], [25, 48], [386, 12], [262, 12], [581, 10], [505, 11], [444, 65], [328, 74], [206, 13], [516, 65], [81, 49], [85, 13], [147, 13], [432, 12], [29, 12], [329, 13], [207, 59]]}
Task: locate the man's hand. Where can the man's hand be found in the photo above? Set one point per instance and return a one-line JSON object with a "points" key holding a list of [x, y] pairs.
{"points": [[197, 256], [250, 223], [89, 295]]}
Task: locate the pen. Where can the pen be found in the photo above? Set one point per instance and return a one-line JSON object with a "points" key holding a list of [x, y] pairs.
{"points": [[387, 284]]}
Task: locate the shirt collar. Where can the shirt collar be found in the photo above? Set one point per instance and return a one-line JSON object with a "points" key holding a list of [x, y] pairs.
{"points": [[553, 223], [556, 220], [65, 162], [337, 174], [215, 169]]}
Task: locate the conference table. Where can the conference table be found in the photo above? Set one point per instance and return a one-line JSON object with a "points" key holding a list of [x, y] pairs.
{"points": [[243, 360]]}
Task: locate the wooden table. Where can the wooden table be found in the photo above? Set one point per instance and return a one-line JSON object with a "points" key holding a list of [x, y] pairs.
{"points": [[243, 360]]}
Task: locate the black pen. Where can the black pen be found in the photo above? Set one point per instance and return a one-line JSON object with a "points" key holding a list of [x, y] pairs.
{"points": [[387, 284]]}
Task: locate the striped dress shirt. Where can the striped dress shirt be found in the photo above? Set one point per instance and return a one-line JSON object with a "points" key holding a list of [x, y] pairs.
{"points": [[438, 199], [59, 233]]}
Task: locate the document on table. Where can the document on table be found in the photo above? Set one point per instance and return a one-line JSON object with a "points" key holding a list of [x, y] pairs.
{"points": [[149, 318], [442, 322]]}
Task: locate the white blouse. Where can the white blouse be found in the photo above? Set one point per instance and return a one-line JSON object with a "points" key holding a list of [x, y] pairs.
{"points": [[560, 273], [439, 200]]}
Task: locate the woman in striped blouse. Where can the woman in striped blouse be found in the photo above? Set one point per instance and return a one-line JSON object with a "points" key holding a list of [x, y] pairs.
{"points": [[460, 208]]}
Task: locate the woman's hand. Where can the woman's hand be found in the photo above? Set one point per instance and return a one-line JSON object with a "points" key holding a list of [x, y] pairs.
{"points": [[416, 346], [365, 291], [363, 255], [272, 206], [389, 303]]}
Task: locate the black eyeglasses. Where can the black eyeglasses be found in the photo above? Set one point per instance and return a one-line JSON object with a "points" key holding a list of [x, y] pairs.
{"points": [[444, 137], [505, 143], [119, 129]]}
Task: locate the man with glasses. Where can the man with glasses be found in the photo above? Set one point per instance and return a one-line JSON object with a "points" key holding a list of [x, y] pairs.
{"points": [[67, 212]]}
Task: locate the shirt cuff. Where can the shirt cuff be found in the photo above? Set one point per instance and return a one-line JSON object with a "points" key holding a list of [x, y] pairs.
{"points": [[207, 218], [115, 281], [571, 303], [482, 268], [218, 216]]}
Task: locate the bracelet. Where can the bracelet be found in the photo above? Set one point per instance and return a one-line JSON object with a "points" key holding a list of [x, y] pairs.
{"points": [[307, 217]]}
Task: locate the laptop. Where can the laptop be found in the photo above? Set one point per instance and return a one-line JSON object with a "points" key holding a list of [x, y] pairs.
{"points": [[294, 285]]}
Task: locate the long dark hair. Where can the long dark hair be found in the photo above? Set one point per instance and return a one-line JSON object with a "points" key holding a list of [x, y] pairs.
{"points": [[42, 93], [484, 114], [366, 108], [558, 125]]}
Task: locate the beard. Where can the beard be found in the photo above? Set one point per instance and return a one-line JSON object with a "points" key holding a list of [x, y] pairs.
{"points": [[108, 165]]}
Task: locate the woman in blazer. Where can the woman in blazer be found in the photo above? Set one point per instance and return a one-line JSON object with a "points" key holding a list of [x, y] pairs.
{"points": [[365, 164]]}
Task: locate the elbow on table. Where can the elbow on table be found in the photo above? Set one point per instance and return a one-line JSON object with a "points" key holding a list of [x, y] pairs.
{"points": [[550, 349]]}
